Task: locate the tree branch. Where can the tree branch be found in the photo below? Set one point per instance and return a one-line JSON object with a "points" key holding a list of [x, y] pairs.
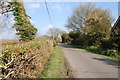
{"points": [[9, 74], [6, 11]]}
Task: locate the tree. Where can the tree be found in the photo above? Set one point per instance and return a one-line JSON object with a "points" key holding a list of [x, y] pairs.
{"points": [[91, 22], [74, 35], [77, 21], [55, 34], [1, 26], [65, 38], [115, 37], [23, 26]]}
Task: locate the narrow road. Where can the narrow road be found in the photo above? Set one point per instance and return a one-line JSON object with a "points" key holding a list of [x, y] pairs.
{"points": [[88, 65]]}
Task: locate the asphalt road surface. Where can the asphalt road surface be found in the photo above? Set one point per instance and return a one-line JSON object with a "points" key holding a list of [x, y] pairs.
{"points": [[88, 65]]}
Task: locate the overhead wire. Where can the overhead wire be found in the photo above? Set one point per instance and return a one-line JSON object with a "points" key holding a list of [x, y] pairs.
{"points": [[48, 13], [50, 21]]}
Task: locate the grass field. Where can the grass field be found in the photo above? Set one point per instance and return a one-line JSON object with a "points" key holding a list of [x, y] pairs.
{"points": [[56, 67], [16, 41], [9, 42]]}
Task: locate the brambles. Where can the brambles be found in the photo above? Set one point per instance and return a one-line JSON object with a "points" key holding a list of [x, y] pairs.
{"points": [[26, 60]]}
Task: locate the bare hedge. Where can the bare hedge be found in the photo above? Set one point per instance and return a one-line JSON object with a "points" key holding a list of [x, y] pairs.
{"points": [[26, 60]]}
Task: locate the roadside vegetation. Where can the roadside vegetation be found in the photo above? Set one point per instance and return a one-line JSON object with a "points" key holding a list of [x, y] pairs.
{"points": [[112, 55], [25, 60], [33, 58], [56, 66], [91, 30], [28, 56]]}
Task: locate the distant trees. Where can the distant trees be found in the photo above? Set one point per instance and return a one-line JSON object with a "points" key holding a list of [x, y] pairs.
{"points": [[65, 38], [74, 35], [55, 33], [89, 24]]}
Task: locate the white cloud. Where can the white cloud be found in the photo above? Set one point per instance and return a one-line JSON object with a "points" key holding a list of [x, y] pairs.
{"points": [[58, 8], [33, 22], [45, 29], [48, 27], [33, 5]]}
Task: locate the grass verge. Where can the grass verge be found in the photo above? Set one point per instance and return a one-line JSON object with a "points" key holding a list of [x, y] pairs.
{"points": [[56, 67]]}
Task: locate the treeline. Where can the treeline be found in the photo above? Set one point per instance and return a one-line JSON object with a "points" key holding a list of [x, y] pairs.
{"points": [[90, 27]]}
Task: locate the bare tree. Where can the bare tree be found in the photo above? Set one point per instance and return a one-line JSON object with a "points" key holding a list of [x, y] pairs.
{"points": [[55, 33]]}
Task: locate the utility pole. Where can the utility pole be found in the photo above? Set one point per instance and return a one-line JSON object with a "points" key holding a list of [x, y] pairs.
{"points": [[51, 23]]}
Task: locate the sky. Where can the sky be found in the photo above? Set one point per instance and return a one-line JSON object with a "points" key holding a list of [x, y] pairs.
{"points": [[59, 12]]}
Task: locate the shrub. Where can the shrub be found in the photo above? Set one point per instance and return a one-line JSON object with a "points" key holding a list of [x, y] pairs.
{"points": [[115, 37], [65, 38], [74, 35], [112, 53], [106, 44]]}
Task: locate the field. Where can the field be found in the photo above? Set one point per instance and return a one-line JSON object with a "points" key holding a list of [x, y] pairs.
{"points": [[9, 42]]}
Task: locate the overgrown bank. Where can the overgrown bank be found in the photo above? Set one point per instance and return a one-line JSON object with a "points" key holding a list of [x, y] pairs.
{"points": [[56, 66], [25, 60]]}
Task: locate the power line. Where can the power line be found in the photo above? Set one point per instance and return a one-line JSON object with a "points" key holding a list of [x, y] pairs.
{"points": [[48, 13], [50, 22]]}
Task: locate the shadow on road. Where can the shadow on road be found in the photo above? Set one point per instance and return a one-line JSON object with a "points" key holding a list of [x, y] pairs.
{"points": [[66, 46], [109, 62]]}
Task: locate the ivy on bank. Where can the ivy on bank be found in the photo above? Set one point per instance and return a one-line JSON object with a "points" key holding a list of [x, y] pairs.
{"points": [[24, 28]]}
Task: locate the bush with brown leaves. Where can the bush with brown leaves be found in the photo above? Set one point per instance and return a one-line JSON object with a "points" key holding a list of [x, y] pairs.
{"points": [[26, 60]]}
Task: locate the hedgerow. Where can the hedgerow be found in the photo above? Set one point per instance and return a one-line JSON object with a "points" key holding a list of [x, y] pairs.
{"points": [[25, 60]]}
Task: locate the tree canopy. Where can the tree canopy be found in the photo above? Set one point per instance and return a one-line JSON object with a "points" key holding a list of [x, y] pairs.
{"points": [[25, 30], [90, 22], [89, 18]]}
